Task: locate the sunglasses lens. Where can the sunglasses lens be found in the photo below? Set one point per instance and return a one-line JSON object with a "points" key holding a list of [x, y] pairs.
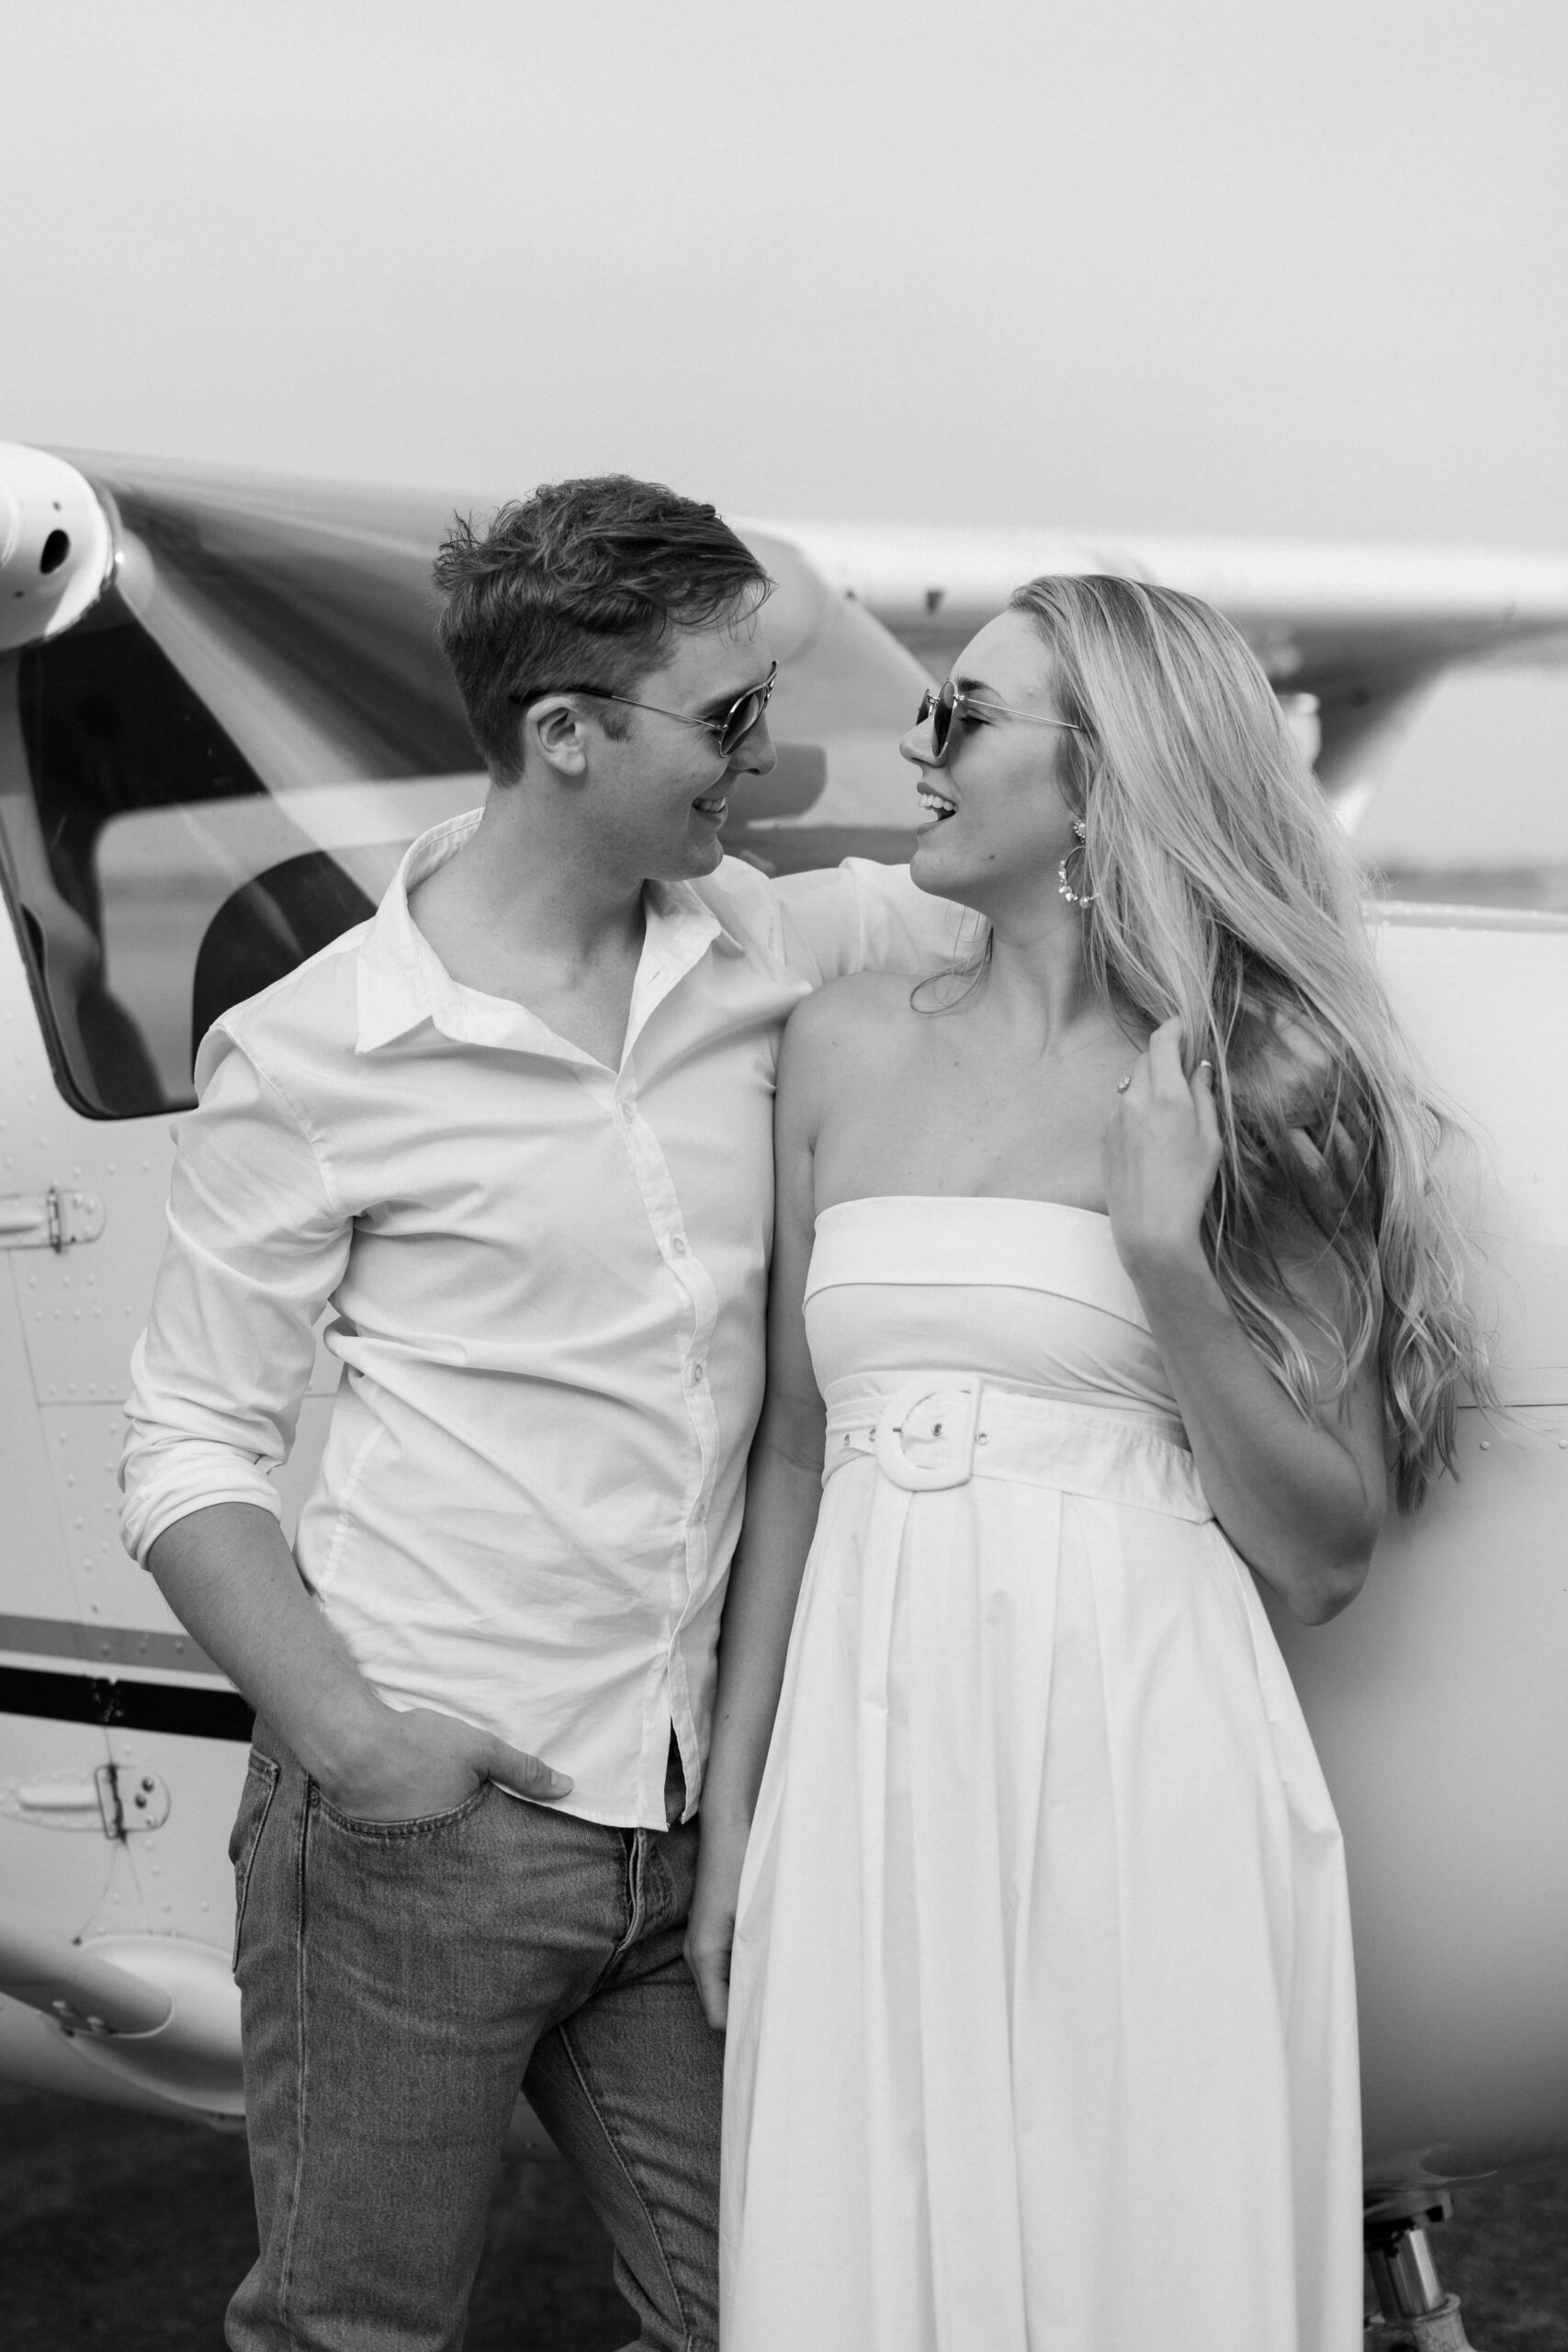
{"points": [[742, 717], [938, 708], [745, 714]]}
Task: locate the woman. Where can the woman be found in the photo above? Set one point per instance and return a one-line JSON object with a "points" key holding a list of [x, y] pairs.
{"points": [[1131, 1271]]}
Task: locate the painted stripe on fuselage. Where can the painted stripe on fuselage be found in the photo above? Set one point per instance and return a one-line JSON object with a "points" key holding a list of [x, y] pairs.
{"points": [[186, 1708]]}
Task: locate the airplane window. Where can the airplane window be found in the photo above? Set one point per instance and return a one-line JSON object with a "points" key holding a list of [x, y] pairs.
{"points": [[91, 726], [210, 776]]}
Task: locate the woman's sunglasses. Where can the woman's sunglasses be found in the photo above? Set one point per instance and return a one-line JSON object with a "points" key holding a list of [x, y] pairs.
{"points": [[729, 731], [943, 704]]}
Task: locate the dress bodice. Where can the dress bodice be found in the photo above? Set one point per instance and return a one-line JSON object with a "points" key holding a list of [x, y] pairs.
{"points": [[1028, 1292]]}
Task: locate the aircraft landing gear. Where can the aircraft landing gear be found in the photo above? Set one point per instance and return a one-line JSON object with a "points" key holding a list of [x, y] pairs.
{"points": [[1414, 2315]]}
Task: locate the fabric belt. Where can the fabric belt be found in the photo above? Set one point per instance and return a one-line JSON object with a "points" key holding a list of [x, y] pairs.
{"points": [[930, 1431]]}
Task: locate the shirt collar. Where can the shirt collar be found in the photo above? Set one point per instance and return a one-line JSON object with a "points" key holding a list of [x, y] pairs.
{"points": [[680, 912], [403, 981]]}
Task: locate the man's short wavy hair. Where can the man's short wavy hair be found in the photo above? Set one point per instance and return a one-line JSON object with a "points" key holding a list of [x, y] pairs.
{"points": [[581, 586]]}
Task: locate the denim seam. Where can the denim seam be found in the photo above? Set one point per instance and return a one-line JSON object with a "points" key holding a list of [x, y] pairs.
{"points": [[385, 1833], [296, 2193], [265, 1768], [662, 1913], [622, 1945], [688, 2341], [637, 1858]]}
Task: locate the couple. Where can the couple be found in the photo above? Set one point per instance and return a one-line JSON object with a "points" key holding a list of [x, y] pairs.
{"points": [[1110, 1257]]}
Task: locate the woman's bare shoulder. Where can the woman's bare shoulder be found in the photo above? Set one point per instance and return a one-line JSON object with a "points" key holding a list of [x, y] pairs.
{"points": [[858, 1009]]}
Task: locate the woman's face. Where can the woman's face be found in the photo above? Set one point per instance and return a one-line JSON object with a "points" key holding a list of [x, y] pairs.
{"points": [[997, 823]]}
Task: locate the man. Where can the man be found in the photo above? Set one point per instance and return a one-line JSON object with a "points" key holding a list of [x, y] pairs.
{"points": [[516, 1131]]}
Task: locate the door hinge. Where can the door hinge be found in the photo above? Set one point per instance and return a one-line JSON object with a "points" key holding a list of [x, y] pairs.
{"points": [[53, 1220], [130, 1799]]}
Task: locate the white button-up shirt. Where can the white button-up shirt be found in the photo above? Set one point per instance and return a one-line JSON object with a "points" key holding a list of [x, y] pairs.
{"points": [[546, 1281]]}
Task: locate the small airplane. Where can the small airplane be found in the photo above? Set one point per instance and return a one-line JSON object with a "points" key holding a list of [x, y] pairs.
{"points": [[222, 718]]}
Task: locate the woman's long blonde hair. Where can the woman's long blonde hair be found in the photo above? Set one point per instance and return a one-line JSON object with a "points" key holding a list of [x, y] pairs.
{"points": [[1222, 890]]}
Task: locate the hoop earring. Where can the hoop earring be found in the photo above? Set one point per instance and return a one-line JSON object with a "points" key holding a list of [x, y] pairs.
{"points": [[1074, 897]]}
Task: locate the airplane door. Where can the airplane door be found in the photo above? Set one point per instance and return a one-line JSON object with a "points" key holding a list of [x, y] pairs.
{"points": [[114, 1797], [59, 1865], [122, 1747]]}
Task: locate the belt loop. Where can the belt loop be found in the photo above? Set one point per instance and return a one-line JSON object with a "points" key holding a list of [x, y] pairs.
{"points": [[925, 1477]]}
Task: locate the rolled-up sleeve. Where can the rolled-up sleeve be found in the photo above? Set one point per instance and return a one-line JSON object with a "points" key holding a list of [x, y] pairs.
{"points": [[257, 1246], [864, 917]]}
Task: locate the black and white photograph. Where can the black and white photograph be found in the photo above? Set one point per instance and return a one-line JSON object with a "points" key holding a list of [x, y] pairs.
{"points": [[783, 1176]]}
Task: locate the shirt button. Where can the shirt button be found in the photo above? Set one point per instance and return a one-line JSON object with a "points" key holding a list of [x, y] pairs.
{"points": [[698, 1372], [679, 1245]]}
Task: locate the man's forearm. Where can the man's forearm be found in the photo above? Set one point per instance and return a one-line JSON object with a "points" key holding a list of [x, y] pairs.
{"points": [[231, 1579]]}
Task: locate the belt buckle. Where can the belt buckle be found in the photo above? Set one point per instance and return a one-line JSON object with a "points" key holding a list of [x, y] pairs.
{"points": [[928, 1477]]}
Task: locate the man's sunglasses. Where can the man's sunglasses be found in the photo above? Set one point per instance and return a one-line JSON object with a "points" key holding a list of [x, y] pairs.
{"points": [[943, 704], [729, 731]]}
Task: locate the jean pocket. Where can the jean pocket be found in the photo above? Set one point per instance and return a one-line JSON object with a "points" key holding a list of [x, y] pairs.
{"points": [[262, 1776], [422, 1825]]}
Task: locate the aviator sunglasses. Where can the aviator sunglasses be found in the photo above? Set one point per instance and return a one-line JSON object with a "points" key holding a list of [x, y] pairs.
{"points": [[943, 704], [729, 731]]}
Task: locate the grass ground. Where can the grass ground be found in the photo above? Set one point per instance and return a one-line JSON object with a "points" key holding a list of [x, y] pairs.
{"points": [[125, 2231]]}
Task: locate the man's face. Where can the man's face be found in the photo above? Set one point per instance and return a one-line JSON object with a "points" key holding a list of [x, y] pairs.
{"points": [[657, 796]]}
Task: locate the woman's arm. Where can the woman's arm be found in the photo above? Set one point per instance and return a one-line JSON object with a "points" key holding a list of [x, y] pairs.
{"points": [[1301, 1500], [784, 1489]]}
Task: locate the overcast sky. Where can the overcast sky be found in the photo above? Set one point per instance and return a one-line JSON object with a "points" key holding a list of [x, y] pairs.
{"points": [[1224, 265]]}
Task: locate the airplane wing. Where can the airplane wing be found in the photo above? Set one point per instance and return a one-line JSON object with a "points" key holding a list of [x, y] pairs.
{"points": [[1363, 629]]}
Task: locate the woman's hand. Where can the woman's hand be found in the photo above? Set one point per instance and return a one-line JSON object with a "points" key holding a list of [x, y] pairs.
{"points": [[1161, 1155], [710, 1925]]}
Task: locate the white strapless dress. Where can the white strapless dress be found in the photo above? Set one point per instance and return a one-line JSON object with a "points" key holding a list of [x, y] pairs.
{"points": [[1043, 2031]]}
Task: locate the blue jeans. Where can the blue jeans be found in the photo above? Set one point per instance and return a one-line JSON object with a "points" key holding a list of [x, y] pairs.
{"points": [[400, 1981]]}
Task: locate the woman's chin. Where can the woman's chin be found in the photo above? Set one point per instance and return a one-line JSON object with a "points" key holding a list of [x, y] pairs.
{"points": [[934, 867], [927, 865]]}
